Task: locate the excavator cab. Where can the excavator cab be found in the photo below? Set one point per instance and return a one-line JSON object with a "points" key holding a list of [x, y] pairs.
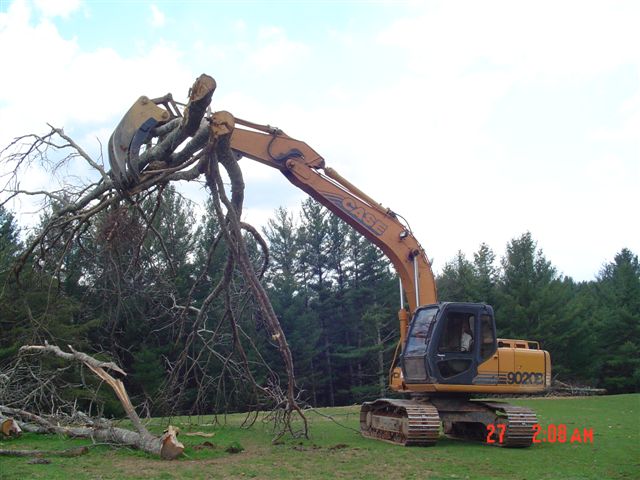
{"points": [[446, 342]]}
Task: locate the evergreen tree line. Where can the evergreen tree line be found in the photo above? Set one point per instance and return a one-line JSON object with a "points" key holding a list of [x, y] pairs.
{"points": [[119, 289], [338, 298]]}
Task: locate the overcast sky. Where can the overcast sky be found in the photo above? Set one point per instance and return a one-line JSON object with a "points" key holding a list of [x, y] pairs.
{"points": [[477, 121]]}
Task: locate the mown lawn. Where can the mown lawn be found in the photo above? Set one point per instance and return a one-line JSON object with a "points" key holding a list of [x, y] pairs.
{"points": [[336, 451]]}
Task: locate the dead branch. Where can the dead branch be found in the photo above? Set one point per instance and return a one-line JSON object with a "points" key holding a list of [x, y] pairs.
{"points": [[74, 355]]}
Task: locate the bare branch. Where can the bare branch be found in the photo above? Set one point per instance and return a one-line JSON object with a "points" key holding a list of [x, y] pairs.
{"points": [[83, 154]]}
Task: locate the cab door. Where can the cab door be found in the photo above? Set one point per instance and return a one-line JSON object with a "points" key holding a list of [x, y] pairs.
{"points": [[453, 355]]}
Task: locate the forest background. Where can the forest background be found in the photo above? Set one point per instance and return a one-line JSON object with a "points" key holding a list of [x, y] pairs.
{"points": [[335, 294]]}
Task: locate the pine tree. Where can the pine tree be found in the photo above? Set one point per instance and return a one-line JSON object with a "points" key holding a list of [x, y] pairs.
{"points": [[526, 291], [289, 298], [9, 239], [486, 274], [570, 337], [618, 323], [314, 242], [281, 234], [371, 304], [11, 315], [457, 282]]}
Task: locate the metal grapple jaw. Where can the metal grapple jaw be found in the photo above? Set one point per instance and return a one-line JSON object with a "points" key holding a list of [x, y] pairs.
{"points": [[131, 133]]}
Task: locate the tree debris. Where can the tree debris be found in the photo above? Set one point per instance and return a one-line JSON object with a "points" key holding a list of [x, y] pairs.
{"points": [[166, 446], [185, 144]]}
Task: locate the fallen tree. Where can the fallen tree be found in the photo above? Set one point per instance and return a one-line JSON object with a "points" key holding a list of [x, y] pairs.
{"points": [[166, 446]]}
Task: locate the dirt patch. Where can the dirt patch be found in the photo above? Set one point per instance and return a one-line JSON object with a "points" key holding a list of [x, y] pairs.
{"points": [[204, 446], [339, 446], [306, 448], [149, 468]]}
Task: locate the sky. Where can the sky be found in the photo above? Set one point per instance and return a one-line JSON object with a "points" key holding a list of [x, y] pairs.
{"points": [[476, 121]]}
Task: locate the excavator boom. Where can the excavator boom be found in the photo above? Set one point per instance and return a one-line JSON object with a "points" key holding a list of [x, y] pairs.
{"points": [[306, 169]]}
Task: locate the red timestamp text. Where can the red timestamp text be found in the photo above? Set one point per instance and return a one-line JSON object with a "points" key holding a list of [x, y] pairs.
{"points": [[552, 433], [561, 434]]}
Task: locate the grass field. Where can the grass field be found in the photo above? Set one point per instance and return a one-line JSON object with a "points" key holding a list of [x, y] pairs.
{"points": [[336, 451]]}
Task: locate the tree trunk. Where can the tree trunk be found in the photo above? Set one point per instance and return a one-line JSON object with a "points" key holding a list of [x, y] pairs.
{"points": [[382, 381], [143, 441]]}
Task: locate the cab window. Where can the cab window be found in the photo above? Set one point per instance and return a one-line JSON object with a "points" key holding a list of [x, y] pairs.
{"points": [[458, 334], [487, 346], [421, 330]]}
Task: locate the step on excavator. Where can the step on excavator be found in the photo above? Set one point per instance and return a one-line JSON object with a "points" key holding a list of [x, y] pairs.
{"points": [[447, 352]]}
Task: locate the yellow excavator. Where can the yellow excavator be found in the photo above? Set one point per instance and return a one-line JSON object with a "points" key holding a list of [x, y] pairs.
{"points": [[447, 351]]}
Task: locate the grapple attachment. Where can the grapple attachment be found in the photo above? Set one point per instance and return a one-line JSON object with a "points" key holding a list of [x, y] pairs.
{"points": [[130, 134]]}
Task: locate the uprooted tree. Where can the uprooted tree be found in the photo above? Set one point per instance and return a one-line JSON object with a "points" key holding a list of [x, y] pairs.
{"points": [[118, 214]]}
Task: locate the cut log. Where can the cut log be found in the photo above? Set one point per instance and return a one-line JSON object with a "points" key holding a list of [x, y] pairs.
{"points": [[171, 447], [9, 427]]}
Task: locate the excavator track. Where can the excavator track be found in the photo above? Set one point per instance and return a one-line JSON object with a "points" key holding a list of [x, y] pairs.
{"points": [[483, 421], [417, 422], [519, 424], [401, 422]]}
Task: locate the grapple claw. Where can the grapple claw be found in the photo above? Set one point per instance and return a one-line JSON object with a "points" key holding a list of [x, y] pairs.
{"points": [[126, 140]]}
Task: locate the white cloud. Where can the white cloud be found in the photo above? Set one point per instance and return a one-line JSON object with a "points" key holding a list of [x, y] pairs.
{"points": [[51, 79], [547, 38], [57, 8], [78, 86], [344, 38], [158, 18], [239, 26], [628, 130], [275, 49], [465, 57]]}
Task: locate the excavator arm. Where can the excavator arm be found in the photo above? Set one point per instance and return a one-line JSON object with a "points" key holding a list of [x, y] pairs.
{"points": [[306, 169]]}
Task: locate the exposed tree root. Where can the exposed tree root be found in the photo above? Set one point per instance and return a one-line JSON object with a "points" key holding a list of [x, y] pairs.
{"points": [[287, 403]]}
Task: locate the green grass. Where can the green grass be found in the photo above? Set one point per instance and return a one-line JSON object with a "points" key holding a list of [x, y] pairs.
{"points": [[336, 451]]}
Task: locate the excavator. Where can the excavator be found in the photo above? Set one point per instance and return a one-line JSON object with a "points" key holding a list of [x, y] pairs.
{"points": [[447, 352]]}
